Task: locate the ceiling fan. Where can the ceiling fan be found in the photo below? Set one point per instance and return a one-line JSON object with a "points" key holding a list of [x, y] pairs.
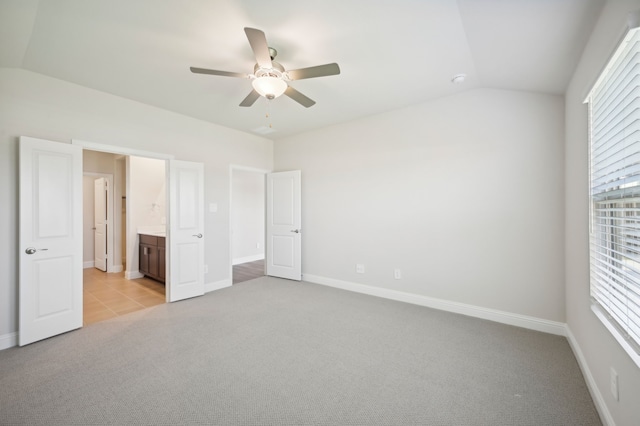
{"points": [[269, 78]]}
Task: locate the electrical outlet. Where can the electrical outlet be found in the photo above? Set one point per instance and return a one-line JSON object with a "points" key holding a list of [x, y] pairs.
{"points": [[257, 245], [397, 274], [206, 269], [360, 268], [614, 384]]}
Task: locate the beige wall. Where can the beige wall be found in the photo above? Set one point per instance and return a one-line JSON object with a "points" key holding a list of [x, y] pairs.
{"points": [[98, 162]]}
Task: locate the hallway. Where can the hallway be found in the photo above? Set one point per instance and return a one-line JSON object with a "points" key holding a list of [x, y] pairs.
{"points": [[110, 295], [248, 271]]}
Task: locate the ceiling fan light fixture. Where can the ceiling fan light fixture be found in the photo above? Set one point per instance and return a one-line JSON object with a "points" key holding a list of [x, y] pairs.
{"points": [[269, 78], [268, 86]]}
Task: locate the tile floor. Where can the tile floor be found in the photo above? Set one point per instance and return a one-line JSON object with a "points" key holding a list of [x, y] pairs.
{"points": [[110, 295]]}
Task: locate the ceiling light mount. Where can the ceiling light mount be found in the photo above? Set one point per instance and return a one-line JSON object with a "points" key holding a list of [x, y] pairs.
{"points": [[458, 78]]}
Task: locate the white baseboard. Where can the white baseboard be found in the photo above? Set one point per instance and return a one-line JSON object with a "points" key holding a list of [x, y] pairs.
{"points": [[239, 260], [509, 318], [218, 285], [8, 340], [598, 400], [132, 275], [116, 268]]}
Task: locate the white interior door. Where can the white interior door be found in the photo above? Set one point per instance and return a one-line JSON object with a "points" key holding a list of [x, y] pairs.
{"points": [[100, 223], [186, 230], [50, 263], [284, 225]]}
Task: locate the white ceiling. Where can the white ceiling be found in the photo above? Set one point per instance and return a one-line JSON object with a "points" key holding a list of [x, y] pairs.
{"points": [[392, 54]]}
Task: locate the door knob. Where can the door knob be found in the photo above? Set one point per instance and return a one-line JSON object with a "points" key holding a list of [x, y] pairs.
{"points": [[31, 250], [297, 231], [197, 235]]}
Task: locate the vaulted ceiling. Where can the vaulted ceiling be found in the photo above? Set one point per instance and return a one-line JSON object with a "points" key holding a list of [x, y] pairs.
{"points": [[392, 54]]}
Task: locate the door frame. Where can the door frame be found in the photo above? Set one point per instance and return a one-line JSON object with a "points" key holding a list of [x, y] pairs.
{"points": [[264, 173], [120, 150], [110, 215]]}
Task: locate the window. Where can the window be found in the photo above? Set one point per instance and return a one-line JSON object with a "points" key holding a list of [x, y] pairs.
{"points": [[614, 122]]}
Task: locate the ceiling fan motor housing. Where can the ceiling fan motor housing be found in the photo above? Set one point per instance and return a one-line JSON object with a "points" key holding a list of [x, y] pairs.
{"points": [[276, 67]]}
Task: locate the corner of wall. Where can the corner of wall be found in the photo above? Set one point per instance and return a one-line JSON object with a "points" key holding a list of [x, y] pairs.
{"points": [[8, 341], [598, 400]]}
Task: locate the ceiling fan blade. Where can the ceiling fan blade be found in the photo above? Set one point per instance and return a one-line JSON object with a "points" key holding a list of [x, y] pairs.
{"points": [[312, 72], [299, 97], [250, 99], [258, 43], [216, 72]]}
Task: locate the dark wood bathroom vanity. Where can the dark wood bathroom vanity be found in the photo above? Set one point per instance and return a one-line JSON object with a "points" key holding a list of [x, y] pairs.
{"points": [[152, 256]]}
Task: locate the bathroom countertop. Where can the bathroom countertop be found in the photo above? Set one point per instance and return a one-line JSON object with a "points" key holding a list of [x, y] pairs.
{"points": [[154, 231], [153, 234]]}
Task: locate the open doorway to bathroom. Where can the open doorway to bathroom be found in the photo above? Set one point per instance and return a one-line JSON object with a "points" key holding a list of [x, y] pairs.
{"points": [[247, 223], [134, 201]]}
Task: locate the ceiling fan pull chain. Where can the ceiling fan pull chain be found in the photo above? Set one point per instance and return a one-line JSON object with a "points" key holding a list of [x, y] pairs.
{"points": [[268, 115]]}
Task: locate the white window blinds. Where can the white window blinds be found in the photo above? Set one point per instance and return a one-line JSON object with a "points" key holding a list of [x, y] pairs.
{"points": [[614, 105]]}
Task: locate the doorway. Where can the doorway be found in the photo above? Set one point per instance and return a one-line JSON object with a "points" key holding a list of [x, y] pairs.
{"points": [[50, 187], [119, 288], [247, 220]]}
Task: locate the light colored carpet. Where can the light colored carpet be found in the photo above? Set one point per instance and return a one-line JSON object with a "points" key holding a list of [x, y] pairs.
{"points": [[277, 352]]}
